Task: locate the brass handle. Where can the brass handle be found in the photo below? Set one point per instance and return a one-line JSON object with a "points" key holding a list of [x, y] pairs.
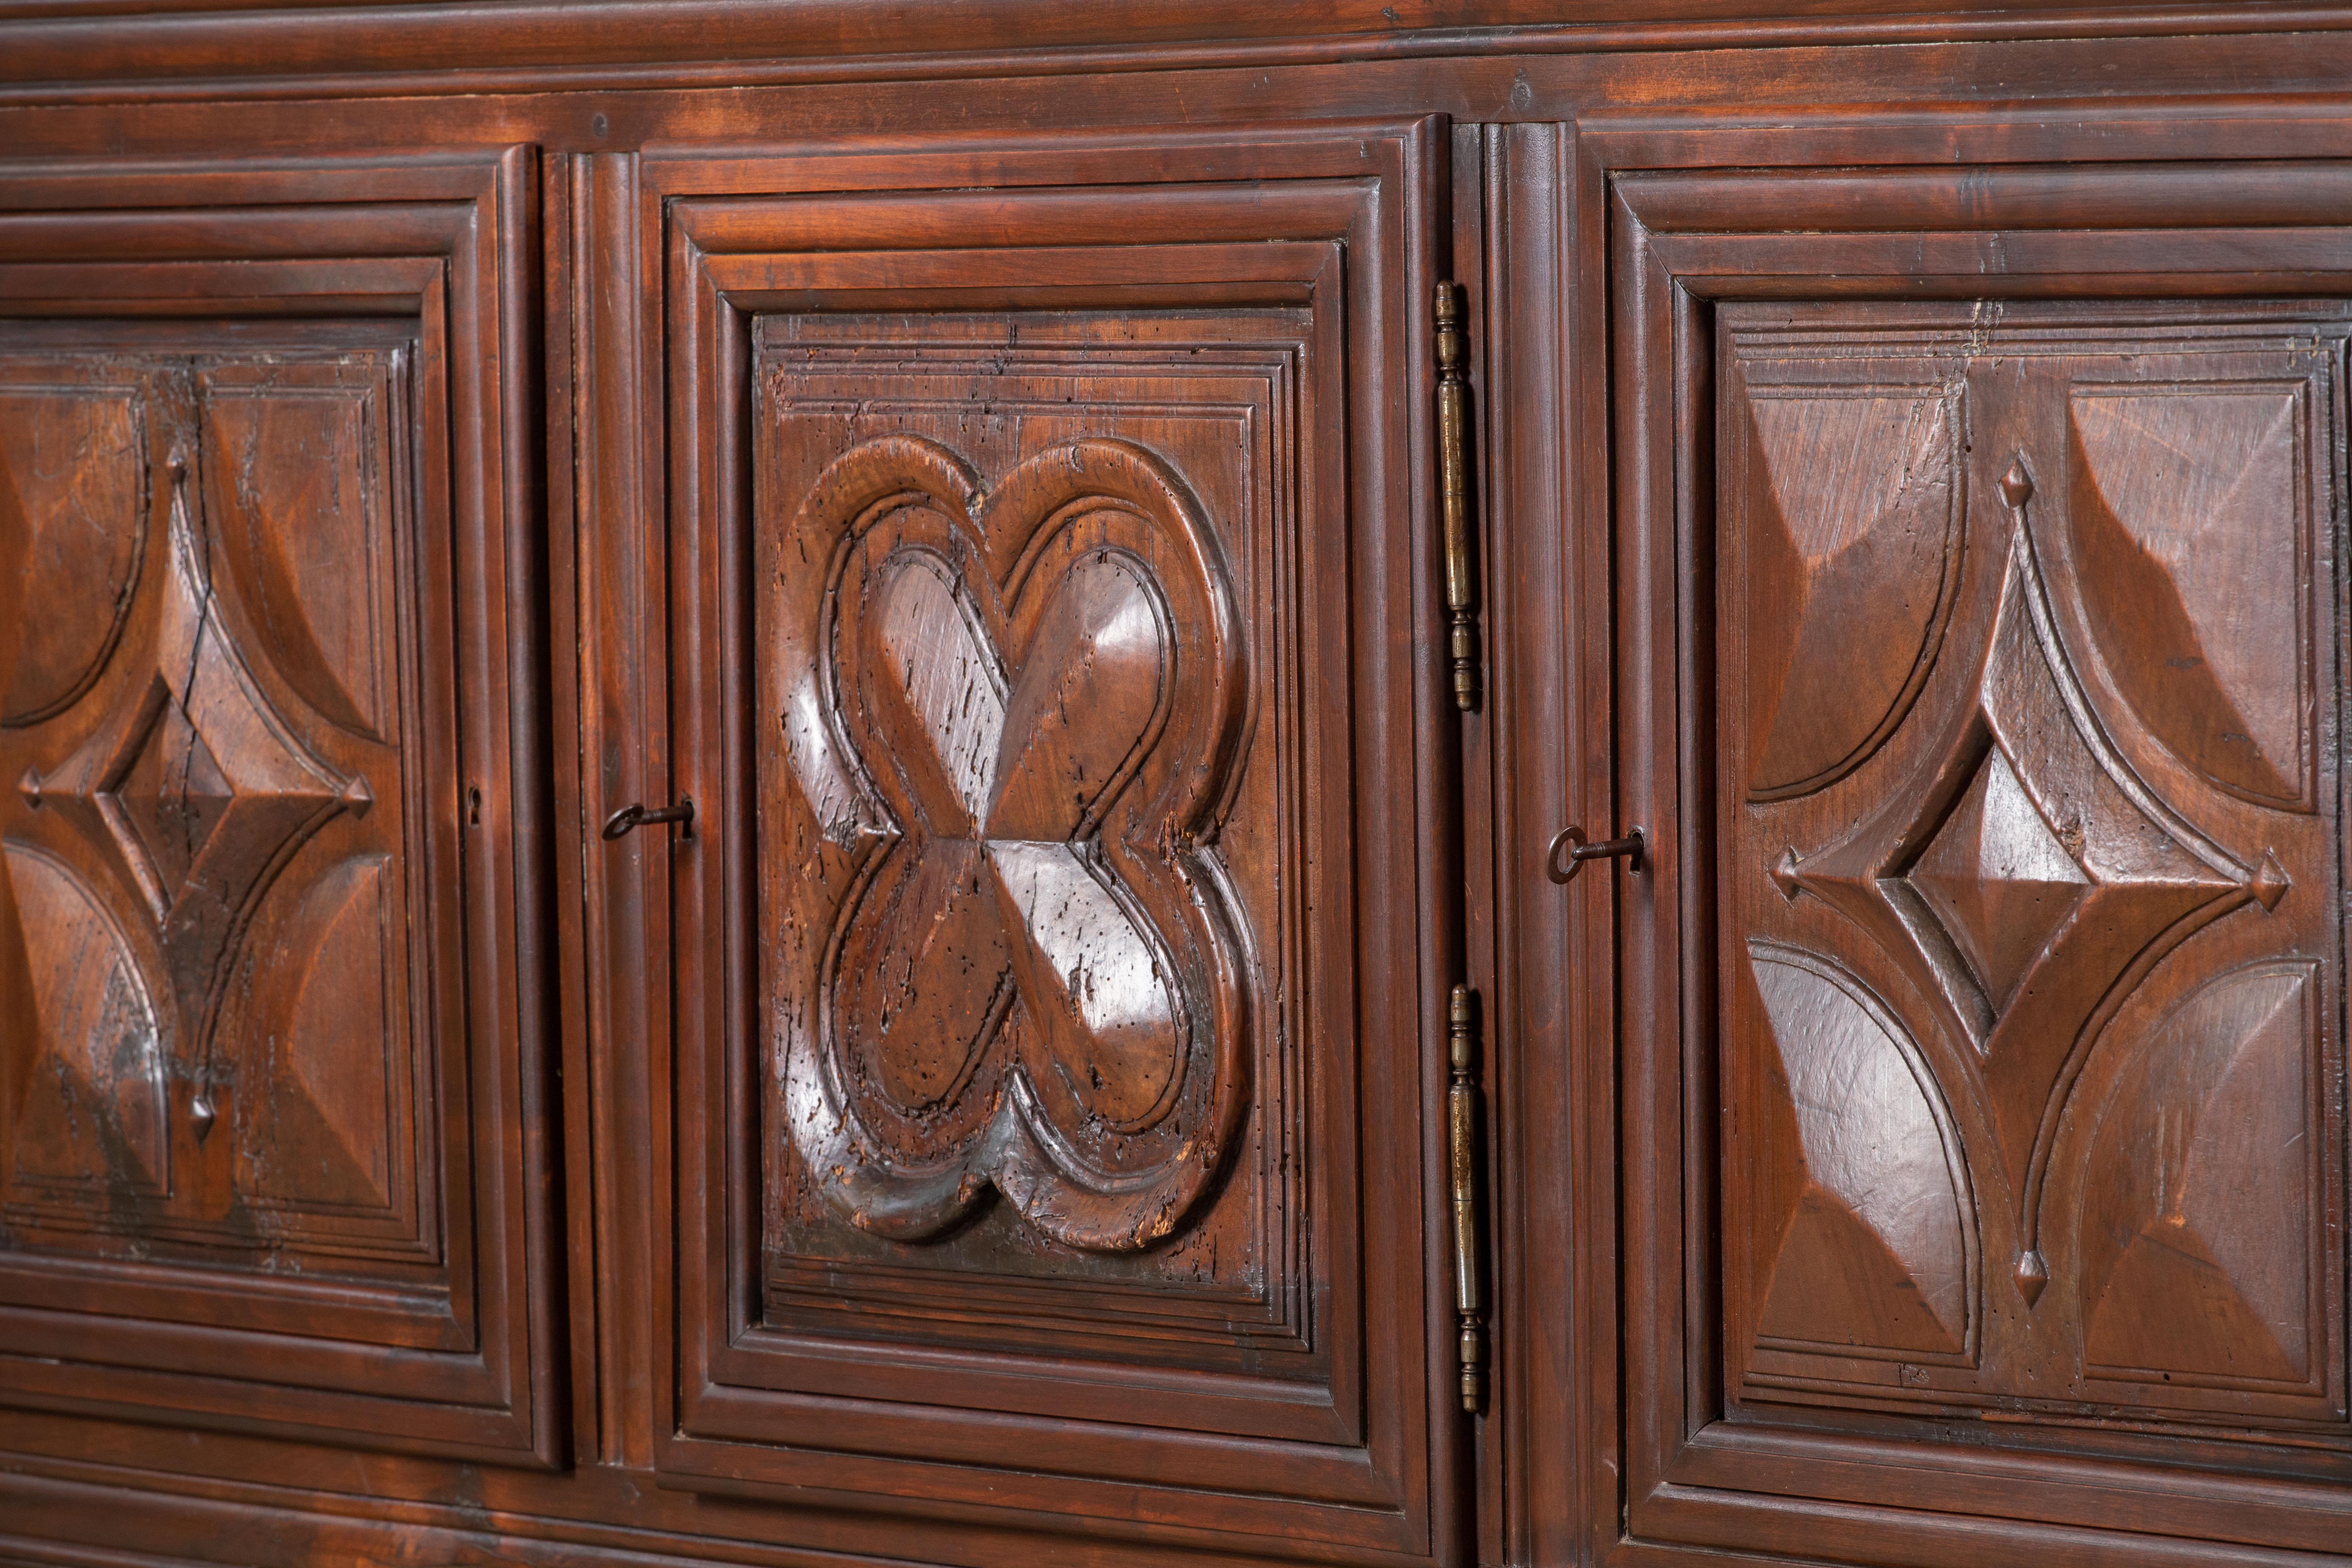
{"points": [[1628, 848], [630, 817]]}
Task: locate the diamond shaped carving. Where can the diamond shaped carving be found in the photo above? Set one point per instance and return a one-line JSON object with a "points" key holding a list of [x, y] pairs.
{"points": [[164, 808], [198, 789], [2028, 878], [1997, 880]]}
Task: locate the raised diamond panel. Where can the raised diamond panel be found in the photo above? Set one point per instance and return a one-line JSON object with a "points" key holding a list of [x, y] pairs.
{"points": [[172, 798], [213, 806], [2076, 890], [1999, 883]]}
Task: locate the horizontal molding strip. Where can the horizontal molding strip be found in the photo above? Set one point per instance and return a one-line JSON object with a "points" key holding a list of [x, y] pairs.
{"points": [[96, 51]]}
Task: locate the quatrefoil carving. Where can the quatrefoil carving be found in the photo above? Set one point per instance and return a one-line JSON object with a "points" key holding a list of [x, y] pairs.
{"points": [[1033, 982]]}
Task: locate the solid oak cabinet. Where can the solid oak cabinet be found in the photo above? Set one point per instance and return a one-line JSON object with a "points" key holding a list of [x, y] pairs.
{"points": [[791, 785]]}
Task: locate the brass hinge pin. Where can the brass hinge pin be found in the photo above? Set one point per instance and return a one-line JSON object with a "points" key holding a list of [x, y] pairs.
{"points": [[1453, 492], [1462, 1145]]}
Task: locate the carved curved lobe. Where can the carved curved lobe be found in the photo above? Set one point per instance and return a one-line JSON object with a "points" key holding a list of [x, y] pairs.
{"points": [[317, 1085], [1029, 985], [1853, 544], [1877, 1254], [92, 1107], [2197, 1204], [73, 533], [292, 493], [2187, 512]]}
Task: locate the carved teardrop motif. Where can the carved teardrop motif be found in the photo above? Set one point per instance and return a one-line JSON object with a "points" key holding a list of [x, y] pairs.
{"points": [[1031, 985]]}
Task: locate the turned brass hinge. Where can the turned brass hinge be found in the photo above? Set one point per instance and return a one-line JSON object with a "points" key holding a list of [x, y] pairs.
{"points": [[1454, 470], [1468, 1176]]}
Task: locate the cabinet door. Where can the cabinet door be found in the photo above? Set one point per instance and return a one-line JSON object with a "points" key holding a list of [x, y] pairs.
{"points": [[1985, 1036], [264, 1037], [2028, 898], [1048, 1137]]}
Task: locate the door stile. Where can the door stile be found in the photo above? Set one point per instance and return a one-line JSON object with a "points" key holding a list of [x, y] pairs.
{"points": [[1647, 475], [1539, 755], [572, 1124], [626, 751]]}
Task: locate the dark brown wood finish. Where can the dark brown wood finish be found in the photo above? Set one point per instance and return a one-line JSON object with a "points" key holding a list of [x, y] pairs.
{"points": [[1969, 997], [1038, 991], [273, 1003], [986, 461]]}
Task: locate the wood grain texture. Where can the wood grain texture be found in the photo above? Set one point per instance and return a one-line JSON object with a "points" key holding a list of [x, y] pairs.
{"points": [[2025, 876], [1044, 999], [254, 1168], [1140, 1132], [2077, 927], [63, 50]]}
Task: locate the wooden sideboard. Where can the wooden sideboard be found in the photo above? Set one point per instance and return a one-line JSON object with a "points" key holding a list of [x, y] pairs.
{"points": [[1472, 782]]}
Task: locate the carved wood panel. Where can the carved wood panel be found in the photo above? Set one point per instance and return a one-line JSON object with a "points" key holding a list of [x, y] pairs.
{"points": [[266, 934], [1048, 1117], [2030, 961], [1032, 1022], [212, 914], [210, 908]]}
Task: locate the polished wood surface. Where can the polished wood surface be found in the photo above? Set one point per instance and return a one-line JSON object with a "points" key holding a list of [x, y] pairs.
{"points": [[264, 1162], [734, 822], [2086, 740], [1030, 939], [186, 798], [2020, 1121]]}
